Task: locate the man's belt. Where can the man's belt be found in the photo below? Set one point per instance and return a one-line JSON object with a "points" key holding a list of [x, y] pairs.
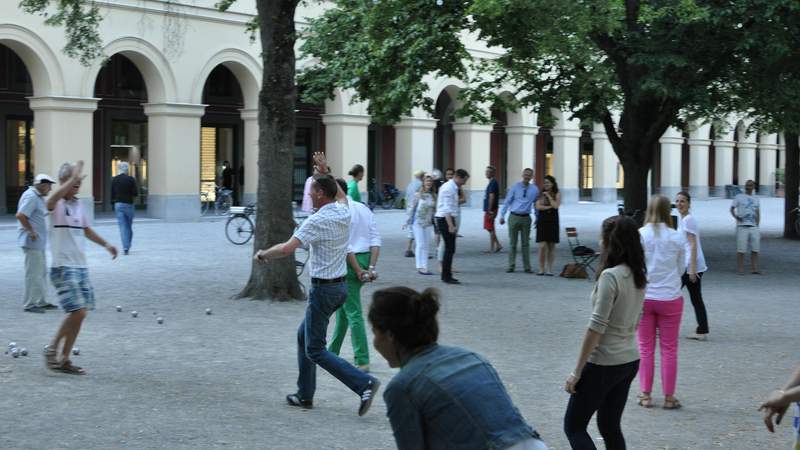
{"points": [[325, 281], [521, 214]]}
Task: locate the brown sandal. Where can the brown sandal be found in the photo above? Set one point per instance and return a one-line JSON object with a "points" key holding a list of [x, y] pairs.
{"points": [[645, 400], [672, 404], [67, 367]]}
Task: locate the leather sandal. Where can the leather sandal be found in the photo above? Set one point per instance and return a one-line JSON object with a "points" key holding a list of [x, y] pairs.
{"points": [[672, 404], [68, 367], [645, 400]]}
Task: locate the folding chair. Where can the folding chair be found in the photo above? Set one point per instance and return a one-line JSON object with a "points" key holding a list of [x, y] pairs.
{"points": [[584, 257]]}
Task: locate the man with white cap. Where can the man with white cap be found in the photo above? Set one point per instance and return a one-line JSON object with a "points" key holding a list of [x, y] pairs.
{"points": [[31, 212]]}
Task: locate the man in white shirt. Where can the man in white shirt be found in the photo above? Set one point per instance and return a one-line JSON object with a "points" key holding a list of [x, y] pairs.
{"points": [[32, 237], [326, 232], [363, 248], [446, 211], [411, 191]]}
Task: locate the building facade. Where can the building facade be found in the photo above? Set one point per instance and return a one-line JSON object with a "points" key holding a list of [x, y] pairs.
{"points": [[177, 96]]}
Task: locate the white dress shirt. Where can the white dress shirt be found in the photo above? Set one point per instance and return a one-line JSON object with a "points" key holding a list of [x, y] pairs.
{"points": [[326, 232], [447, 202], [363, 229], [664, 250]]}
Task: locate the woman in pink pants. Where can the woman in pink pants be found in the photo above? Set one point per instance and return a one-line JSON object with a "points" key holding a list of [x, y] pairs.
{"points": [[664, 250]]}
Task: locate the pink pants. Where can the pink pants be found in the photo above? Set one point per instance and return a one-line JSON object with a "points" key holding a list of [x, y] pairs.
{"points": [[664, 316]]}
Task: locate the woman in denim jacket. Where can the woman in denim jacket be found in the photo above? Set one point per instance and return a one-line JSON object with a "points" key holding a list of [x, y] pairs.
{"points": [[443, 397]]}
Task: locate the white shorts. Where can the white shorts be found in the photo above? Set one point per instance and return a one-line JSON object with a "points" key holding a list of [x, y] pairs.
{"points": [[745, 236]]}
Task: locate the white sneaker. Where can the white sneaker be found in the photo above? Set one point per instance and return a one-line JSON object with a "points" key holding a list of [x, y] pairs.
{"points": [[697, 337]]}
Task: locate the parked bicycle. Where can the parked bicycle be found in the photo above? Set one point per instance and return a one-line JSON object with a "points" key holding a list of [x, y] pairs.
{"points": [[389, 197], [222, 203]]}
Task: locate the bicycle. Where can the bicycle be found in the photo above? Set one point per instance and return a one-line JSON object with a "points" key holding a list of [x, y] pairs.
{"points": [[222, 203], [239, 228]]}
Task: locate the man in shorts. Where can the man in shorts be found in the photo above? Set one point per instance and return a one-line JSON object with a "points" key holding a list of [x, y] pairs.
{"points": [[69, 271], [491, 202], [747, 212]]}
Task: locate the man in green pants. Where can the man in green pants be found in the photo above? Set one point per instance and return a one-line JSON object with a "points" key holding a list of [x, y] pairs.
{"points": [[519, 201], [363, 248]]}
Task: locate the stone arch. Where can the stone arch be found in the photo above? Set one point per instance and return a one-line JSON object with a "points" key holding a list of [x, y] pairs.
{"points": [[155, 69], [40, 60], [244, 67]]}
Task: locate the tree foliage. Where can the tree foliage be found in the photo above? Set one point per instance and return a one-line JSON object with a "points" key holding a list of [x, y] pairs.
{"points": [[80, 19]]}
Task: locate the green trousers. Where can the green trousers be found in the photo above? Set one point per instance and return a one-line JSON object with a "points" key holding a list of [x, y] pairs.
{"points": [[350, 314], [519, 225]]}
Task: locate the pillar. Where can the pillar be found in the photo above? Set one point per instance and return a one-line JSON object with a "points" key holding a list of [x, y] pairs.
{"points": [[604, 175], [414, 148], [473, 144], [346, 145], [250, 149], [768, 158], [173, 141], [64, 134], [781, 156], [698, 168], [566, 146], [671, 162], [521, 150], [723, 166], [747, 161]]}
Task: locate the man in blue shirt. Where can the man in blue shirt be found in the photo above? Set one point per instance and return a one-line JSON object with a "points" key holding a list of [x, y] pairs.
{"points": [[519, 201]]}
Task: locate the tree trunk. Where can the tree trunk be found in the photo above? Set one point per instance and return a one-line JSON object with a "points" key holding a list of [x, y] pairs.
{"points": [[791, 181], [274, 216], [635, 189]]}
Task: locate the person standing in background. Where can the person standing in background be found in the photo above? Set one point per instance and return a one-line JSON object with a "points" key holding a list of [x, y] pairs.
{"points": [[446, 211], [695, 264], [32, 237], [746, 209], [123, 193], [491, 202], [357, 173], [411, 191], [519, 201], [547, 225], [420, 219]]}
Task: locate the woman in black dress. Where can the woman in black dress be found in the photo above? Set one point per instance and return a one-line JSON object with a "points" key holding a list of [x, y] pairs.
{"points": [[547, 228]]}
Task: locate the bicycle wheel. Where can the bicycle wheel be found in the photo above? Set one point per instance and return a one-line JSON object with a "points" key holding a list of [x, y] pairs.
{"points": [[300, 260], [225, 206], [239, 229], [388, 202]]}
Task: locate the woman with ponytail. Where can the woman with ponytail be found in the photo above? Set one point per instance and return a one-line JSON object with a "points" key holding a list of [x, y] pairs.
{"points": [[443, 397]]}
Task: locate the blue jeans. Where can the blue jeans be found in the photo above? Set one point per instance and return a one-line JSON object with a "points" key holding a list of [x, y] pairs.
{"points": [[323, 301], [125, 220]]}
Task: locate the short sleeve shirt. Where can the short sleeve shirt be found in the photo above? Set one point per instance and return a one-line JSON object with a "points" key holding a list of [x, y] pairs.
{"points": [[67, 242], [491, 188], [688, 225], [746, 208], [32, 205], [326, 233]]}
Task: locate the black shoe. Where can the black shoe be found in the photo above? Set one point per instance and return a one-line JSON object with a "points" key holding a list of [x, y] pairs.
{"points": [[49, 306], [35, 309], [528, 271], [368, 395], [409, 254], [452, 281], [509, 270], [125, 252], [295, 400]]}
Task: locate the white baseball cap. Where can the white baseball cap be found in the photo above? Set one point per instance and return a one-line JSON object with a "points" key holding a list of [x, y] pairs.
{"points": [[43, 178]]}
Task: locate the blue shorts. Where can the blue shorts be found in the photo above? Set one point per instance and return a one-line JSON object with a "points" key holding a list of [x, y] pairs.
{"points": [[73, 289]]}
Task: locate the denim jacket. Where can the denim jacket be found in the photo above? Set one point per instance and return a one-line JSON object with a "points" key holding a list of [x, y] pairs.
{"points": [[451, 398]]}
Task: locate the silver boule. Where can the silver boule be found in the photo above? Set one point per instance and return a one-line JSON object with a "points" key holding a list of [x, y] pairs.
{"points": [[24, 352], [208, 311], [76, 351], [160, 320], [119, 308], [15, 352], [11, 345], [134, 314]]}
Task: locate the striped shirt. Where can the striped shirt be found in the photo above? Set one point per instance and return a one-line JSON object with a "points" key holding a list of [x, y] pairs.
{"points": [[326, 233], [67, 242]]}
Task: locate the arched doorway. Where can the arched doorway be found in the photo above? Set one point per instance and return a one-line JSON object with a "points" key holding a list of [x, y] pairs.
{"points": [[17, 135], [221, 134], [499, 147], [444, 138], [120, 129]]}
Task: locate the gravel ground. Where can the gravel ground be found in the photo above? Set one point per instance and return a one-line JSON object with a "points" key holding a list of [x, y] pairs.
{"points": [[219, 381]]}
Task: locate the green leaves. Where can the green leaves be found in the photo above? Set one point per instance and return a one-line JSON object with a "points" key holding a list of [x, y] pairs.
{"points": [[80, 19]]}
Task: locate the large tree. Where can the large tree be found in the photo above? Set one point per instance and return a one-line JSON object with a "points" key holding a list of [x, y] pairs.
{"points": [[276, 27], [653, 61]]}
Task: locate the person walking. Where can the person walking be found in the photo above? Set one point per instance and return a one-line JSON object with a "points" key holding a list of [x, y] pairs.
{"points": [[664, 250], [446, 212], [609, 357], [69, 272], [746, 210], [442, 397], [547, 226], [695, 264], [420, 219], [491, 202], [411, 190], [519, 201], [32, 237], [363, 249], [326, 232], [357, 173], [123, 193]]}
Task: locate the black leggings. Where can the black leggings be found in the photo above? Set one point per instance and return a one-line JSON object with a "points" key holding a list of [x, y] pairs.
{"points": [[603, 389], [696, 295]]}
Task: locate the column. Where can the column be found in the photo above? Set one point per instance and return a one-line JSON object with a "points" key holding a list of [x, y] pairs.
{"points": [[747, 160], [173, 140], [671, 162], [768, 158], [346, 144], [64, 134], [414, 148], [250, 149], [604, 175], [782, 155], [566, 145], [521, 152], [698, 168], [473, 144], [723, 166]]}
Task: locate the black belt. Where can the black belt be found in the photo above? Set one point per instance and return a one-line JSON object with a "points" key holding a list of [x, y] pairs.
{"points": [[324, 281], [521, 215]]}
